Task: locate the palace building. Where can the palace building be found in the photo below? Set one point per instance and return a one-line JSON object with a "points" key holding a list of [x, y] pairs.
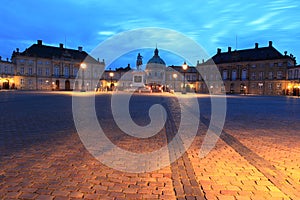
{"points": [[259, 70], [43, 67]]}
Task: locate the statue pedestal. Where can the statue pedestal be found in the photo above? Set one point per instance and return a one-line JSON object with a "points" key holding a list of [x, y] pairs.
{"points": [[138, 78]]}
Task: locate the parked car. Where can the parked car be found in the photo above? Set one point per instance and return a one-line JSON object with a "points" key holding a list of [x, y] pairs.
{"points": [[155, 87]]}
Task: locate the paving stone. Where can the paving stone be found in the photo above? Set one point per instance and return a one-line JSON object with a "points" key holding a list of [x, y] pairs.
{"points": [[256, 157]]}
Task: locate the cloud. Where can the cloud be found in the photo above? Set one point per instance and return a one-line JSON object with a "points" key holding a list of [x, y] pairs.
{"points": [[106, 33], [263, 19]]}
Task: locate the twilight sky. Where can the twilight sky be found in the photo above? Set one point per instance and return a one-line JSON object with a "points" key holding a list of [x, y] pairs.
{"points": [[212, 23]]}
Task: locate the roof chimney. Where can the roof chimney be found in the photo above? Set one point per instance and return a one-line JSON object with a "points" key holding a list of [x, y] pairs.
{"points": [[40, 42], [80, 49], [270, 43], [7, 59], [219, 50], [17, 50], [256, 45], [0, 58], [61, 45], [229, 49]]}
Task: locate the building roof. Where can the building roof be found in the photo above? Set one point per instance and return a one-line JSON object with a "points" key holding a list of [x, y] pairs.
{"points": [[246, 55], [190, 69], [156, 59], [44, 51]]}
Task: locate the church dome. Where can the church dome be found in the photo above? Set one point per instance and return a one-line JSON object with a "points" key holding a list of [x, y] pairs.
{"points": [[156, 59]]}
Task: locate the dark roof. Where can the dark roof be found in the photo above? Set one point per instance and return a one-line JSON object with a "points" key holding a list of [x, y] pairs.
{"points": [[255, 54], [44, 51], [190, 69], [156, 59]]}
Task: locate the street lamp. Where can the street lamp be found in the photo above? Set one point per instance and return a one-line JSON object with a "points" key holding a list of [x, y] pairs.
{"points": [[83, 67], [245, 90], [174, 78], [184, 67], [111, 74]]}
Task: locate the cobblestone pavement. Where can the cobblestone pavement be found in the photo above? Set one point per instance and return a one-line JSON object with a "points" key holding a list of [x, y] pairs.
{"points": [[42, 157]]}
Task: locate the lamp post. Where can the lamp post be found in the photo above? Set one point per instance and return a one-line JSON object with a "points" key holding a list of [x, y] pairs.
{"points": [[174, 78], [83, 67], [184, 67], [111, 75]]}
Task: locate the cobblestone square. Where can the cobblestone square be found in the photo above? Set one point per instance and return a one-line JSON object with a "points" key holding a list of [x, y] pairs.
{"points": [[42, 156]]}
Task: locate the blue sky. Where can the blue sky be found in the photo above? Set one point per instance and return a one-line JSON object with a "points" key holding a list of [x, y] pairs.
{"points": [[213, 24]]}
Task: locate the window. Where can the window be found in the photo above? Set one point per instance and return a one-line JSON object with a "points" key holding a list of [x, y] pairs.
{"points": [[40, 71], [22, 81], [47, 62], [280, 64], [21, 61], [253, 85], [5, 69], [271, 75], [271, 64], [253, 66], [22, 71], [278, 86], [261, 75], [270, 86], [279, 75], [12, 70], [244, 74], [253, 76], [234, 75], [224, 74], [66, 71], [40, 62], [29, 71], [75, 71], [40, 81], [30, 82], [296, 74], [56, 71], [30, 62], [47, 71], [96, 74]]}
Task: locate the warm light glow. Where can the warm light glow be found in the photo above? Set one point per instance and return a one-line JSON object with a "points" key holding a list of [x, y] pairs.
{"points": [[175, 76], [184, 66], [111, 74], [82, 65]]}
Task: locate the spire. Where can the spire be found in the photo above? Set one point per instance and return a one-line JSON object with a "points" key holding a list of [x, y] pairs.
{"points": [[156, 52]]}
